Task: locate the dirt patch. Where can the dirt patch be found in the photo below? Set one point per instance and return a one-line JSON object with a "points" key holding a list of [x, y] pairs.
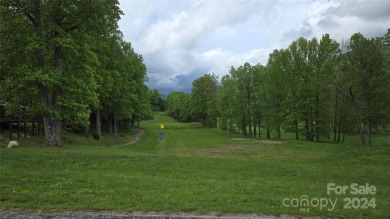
{"points": [[271, 142], [245, 140], [134, 138], [233, 148]]}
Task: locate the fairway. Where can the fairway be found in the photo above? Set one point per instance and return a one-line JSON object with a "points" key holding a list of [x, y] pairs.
{"points": [[200, 171]]}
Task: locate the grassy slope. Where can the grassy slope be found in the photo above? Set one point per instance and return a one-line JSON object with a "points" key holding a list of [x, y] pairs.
{"points": [[194, 170]]}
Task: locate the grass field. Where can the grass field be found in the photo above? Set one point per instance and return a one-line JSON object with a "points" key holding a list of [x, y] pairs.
{"points": [[195, 170]]}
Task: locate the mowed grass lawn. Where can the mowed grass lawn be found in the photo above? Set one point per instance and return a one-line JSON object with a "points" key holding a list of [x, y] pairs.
{"points": [[196, 170]]}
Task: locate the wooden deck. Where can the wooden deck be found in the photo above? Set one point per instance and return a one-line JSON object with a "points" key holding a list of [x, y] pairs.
{"points": [[14, 124], [17, 125]]}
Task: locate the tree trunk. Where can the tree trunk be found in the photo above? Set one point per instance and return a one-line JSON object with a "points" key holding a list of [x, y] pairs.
{"points": [[132, 124], [335, 118], [296, 119], [358, 122], [115, 125], [18, 129], [10, 131], [307, 129], [368, 131], [296, 130], [128, 124], [317, 118], [33, 128], [98, 124], [254, 127], [52, 128], [268, 134], [110, 124], [340, 126], [338, 136], [368, 122], [224, 124], [87, 130], [243, 127], [25, 129], [312, 132], [53, 132], [278, 132], [259, 121], [249, 116], [231, 125]]}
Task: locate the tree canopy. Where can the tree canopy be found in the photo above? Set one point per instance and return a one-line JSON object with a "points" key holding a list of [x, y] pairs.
{"points": [[313, 88], [64, 59]]}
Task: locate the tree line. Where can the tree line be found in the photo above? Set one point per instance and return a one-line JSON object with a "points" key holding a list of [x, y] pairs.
{"points": [[316, 89], [67, 62]]}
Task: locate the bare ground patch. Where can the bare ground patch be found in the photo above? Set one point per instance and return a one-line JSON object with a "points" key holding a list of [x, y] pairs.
{"points": [[248, 149], [134, 139], [252, 149], [244, 140]]}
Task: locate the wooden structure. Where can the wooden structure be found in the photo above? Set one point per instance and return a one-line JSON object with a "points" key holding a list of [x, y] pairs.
{"points": [[12, 124]]}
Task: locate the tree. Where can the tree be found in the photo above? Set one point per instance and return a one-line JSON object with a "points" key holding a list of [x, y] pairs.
{"points": [[244, 80], [364, 82], [226, 103], [301, 77], [258, 109], [179, 106], [60, 63], [324, 66], [204, 93], [310, 88], [122, 94], [157, 103], [275, 90], [140, 100]]}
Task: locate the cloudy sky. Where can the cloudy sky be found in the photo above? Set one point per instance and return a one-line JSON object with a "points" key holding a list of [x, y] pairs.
{"points": [[181, 40]]}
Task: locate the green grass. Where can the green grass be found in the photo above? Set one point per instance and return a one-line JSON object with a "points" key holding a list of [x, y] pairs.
{"points": [[195, 170]]}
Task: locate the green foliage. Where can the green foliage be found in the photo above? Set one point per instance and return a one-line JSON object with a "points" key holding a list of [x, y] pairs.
{"points": [[96, 136], [311, 89], [179, 106], [275, 90], [63, 59], [157, 102], [225, 103], [364, 82], [203, 100]]}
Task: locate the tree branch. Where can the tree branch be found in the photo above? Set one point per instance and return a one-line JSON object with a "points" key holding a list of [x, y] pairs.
{"points": [[29, 17]]}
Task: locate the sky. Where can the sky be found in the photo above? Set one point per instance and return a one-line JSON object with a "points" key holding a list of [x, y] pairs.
{"points": [[181, 40]]}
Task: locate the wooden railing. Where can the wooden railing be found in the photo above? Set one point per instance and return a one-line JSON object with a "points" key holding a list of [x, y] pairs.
{"points": [[11, 124]]}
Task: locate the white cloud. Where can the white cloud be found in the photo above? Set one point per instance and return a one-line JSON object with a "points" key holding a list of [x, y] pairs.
{"points": [[219, 61], [181, 40], [212, 54]]}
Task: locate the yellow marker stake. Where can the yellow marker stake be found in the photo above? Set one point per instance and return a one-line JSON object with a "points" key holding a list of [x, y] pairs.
{"points": [[161, 126]]}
